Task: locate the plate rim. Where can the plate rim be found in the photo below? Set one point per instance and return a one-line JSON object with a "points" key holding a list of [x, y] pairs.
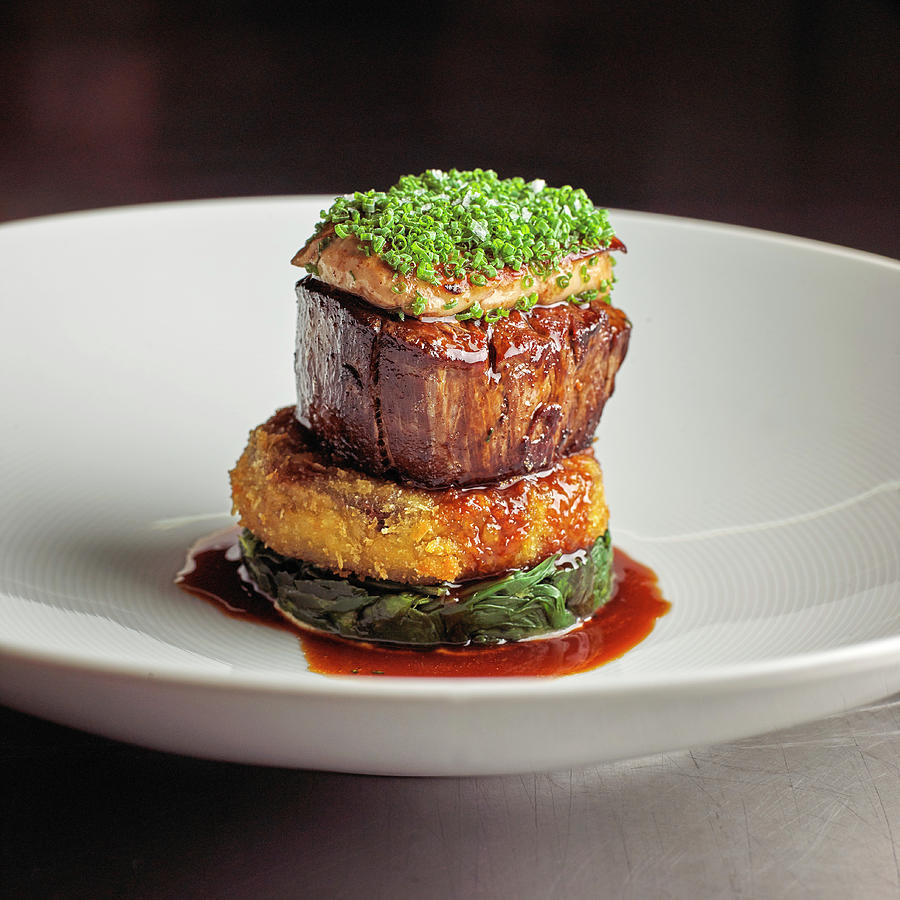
{"points": [[162, 206], [865, 656]]}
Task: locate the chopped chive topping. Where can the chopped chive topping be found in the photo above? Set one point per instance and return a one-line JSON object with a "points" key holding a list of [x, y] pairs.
{"points": [[527, 282], [563, 280], [312, 268], [397, 288], [587, 296], [584, 274], [527, 302], [452, 224], [473, 312], [417, 307]]}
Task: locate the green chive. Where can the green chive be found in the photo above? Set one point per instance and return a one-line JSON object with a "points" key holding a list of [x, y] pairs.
{"points": [[469, 223], [473, 312], [494, 315], [417, 307]]}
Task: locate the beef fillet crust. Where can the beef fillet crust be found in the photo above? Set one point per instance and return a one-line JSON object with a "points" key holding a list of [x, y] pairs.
{"points": [[301, 504], [440, 403]]}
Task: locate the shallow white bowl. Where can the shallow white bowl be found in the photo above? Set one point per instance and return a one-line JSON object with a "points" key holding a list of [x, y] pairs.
{"points": [[751, 456]]}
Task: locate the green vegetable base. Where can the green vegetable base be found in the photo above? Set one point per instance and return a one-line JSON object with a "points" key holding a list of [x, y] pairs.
{"points": [[553, 596]]}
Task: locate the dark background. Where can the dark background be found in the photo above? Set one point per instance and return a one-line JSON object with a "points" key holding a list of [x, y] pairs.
{"points": [[781, 115]]}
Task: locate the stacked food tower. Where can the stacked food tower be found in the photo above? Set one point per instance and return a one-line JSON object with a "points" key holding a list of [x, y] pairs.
{"points": [[435, 482]]}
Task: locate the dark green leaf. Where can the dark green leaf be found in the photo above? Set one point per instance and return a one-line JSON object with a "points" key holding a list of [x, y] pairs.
{"points": [[550, 597]]}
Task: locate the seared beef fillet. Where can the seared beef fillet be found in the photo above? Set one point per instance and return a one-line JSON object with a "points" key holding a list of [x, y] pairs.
{"points": [[443, 403]]}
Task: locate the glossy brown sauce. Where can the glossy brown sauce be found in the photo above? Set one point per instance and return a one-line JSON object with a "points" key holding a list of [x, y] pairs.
{"points": [[496, 522], [617, 627]]}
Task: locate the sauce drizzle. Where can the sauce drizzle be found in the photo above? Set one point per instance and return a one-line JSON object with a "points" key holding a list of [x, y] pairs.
{"points": [[213, 573]]}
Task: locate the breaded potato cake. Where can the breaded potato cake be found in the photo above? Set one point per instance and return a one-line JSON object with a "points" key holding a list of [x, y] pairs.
{"points": [[302, 504]]}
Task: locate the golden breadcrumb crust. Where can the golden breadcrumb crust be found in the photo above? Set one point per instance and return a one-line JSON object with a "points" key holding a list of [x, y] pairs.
{"points": [[296, 500]]}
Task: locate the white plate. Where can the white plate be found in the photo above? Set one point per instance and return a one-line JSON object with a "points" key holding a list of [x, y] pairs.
{"points": [[751, 452]]}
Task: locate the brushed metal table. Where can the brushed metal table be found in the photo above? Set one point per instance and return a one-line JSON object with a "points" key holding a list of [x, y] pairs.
{"points": [[807, 812]]}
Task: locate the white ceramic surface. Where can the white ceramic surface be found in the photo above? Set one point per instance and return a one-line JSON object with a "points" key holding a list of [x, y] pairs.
{"points": [[751, 454]]}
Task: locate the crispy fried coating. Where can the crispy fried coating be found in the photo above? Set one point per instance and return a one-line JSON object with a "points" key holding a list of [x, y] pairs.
{"points": [[302, 504]]}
